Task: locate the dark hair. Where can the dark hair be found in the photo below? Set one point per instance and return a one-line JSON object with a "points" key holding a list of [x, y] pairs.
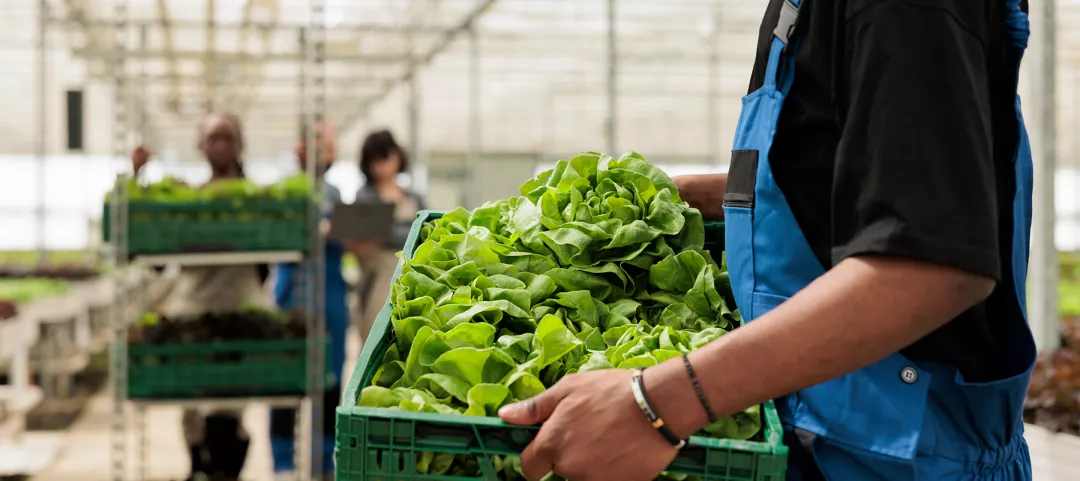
{"points": [[380, 145], [237, 126]]}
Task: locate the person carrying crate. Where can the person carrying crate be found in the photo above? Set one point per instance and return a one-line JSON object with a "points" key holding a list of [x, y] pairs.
{"points": [[877, 210], [217, 442], [290, 292]]}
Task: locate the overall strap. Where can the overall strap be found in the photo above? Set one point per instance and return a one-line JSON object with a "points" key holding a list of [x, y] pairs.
{"points": [[784, 43]]}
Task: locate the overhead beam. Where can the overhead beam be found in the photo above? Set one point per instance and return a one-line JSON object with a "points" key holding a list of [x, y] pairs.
{"points": [[492, 38], [343, 81], [293, 28], [440, 46], [236, 57]]}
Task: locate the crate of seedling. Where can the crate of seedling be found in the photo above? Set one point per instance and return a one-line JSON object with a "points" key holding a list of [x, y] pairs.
{"points": [[229, 215], [250, 352]]}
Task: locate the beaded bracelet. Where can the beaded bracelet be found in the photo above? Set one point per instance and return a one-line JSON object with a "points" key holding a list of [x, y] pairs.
{"points": [[697, 388]]}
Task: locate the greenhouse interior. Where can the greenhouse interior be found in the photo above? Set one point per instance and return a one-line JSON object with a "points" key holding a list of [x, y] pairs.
{"points": [[170, 322]]}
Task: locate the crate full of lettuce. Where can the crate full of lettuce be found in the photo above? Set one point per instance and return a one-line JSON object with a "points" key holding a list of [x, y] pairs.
{"points": [[227, 215], [598, 265]]}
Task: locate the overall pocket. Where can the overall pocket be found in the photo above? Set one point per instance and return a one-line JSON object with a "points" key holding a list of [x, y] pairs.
{"points": [[739, 227], [873, 417]]}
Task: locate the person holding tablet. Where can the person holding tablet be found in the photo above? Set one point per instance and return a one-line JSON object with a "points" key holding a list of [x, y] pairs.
{"points": [[381, 160]]}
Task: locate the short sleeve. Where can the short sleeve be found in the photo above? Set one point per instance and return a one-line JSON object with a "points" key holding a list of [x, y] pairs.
{"points": [[915, 174]]}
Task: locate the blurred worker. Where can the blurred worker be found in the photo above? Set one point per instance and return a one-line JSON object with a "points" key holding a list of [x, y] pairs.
{"points": [[290, 293], [877, 209], [217, 442], [381, 160]]}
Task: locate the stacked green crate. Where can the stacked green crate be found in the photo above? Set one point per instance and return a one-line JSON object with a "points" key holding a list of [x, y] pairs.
{"points": [[254, 224], [224, 369]]}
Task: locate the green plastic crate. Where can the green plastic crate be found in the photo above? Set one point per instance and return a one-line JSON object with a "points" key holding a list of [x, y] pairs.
{"points": [[383, 444], [714, 236], [257, 224], [219, 370]]}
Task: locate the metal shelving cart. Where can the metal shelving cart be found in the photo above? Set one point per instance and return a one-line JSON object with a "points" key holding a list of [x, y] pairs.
{"points": [[125, 309]]}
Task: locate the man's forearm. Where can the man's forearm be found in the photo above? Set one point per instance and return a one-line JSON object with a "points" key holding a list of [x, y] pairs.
{"points": [[705, 192], [861, 311]]}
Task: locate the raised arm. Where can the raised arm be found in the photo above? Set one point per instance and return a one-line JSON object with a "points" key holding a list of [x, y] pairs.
{"points": [[139, 157]]}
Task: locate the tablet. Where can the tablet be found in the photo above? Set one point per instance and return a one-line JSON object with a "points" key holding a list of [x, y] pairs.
{"points": [[361, 221]]}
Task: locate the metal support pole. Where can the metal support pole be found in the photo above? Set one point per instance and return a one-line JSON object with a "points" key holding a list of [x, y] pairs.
{"points": [[417, 159], [301, 440], [612, 80], [713, 101], [143, 448], [316, 339], [413, 117], [210, 65], [1075, 135], [473, 160], [1044, 259], [301, 77], [144, 120], [43, 124], [118, 225]]}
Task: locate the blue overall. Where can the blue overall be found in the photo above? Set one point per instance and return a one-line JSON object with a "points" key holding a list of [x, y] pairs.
{"points": [[289, 292], [896, 419]]}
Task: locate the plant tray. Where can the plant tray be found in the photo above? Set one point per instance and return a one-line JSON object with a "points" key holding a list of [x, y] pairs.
{"points": [[385, 444], [259, 224], [219, 370]]}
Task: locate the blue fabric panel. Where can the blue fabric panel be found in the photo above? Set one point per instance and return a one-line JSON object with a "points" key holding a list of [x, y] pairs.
{"points": [[738, 237]]}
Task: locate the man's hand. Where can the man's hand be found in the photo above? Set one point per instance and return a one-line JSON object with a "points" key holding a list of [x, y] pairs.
{"points": [[139, 157], [704, 192], [593, 430]]}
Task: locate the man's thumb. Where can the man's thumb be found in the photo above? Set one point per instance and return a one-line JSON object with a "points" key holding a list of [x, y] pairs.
{"points": [[532, 411]]}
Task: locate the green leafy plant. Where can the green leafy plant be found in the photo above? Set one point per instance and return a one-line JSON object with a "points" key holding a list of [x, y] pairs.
{"points": [[27, 289], [292, 187], [171, 189], [598, 265]]}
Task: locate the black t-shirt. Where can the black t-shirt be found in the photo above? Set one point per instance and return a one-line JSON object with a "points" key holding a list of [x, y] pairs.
{"points": [[897, 139]]}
